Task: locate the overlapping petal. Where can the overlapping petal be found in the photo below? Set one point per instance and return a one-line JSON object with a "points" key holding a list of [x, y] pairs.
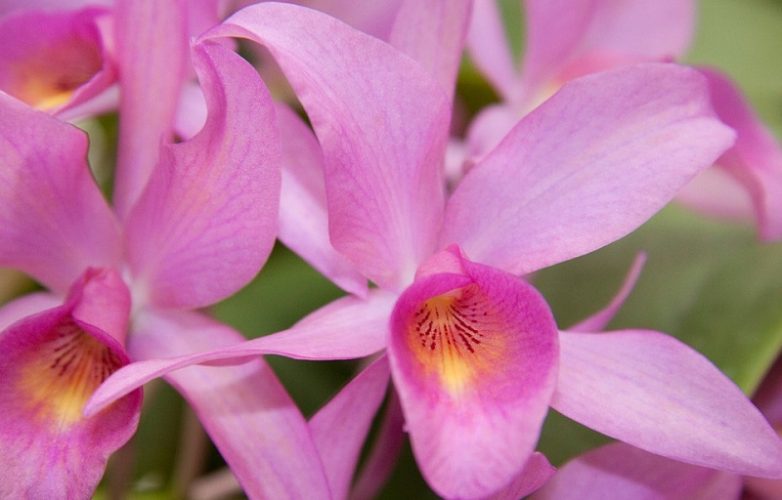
{"points": [[382, 123], [54, 222], [654, 392], [489, 49], [246, 411], [474, 359], [207, 220], [586, 167]]}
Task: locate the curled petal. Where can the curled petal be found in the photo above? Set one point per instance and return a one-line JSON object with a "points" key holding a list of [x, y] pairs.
{"points": [[653, 392], [473, 356], [207, 220]]}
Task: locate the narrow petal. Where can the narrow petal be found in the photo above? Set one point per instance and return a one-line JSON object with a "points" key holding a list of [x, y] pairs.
{"points": [[652, 391], [619, 470], [54, 60], [339, 444], [569, 38], [246, 411], [768, 397], [489, 49], [433, 33], [599, 320], [756, 158], [52, 362], [208, 218], [383, 455], [382, 123], [345, 329], [303, 212], [474, 359], [152, 53], [586, 167], [536, 472], [54, 222]]}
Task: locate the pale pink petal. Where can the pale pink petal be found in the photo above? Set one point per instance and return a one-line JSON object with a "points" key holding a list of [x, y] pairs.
{"points": [[619, 470], [54, 60], [54, 222], [586, 167], [474, 359], [52, 362], [487, 129], [433, 33], [152, 53], [340, 428], [383, 455], [345, 329], [26, 305], [599, 320], [717, 193], [208, 218], [373, 18], [7, 6], [382, 123], [536, 472], [567, 38], [245, 410], [303, 213], [489, 49], [756, 158], [652, 391], [191, 111]]}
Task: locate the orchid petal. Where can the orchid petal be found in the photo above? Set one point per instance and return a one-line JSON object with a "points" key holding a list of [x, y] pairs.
{"points": [[717, 193], [382, 123], [756, 158], [474, 359], [345, 329], [373, 18], [536, 472], [51, 363], [569, 38], [381, 460], [652, 391], [303, 213], [244, 409], [586, 167], [26, 305], [489, 49], [151, 41], [207, 220], [619, 470], [191, 112], [599, 320], [433, 33], [53, 60], [487, 129], [8, 6], [768, 397], [339, 444], [54, 223]]}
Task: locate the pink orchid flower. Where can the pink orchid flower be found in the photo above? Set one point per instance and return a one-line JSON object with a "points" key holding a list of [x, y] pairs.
{"points": [[475, 354], [567, 39], [121, 287], [620, 470]]}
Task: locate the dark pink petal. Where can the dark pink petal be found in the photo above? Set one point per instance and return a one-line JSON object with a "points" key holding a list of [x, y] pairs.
{"points": [[53, 60], [340, 428], [489, 49], [54, 223], [536, 472], [382, 457], [52, 362], [586, 167], [382, 123], [207, 220], [433, 33], [303, 212], [152, 52], [619, 470], [246, 411], [756, 158], [345, 329], [599, 320], [768, 397], [569, 38], [474, 359], [652, 391]]}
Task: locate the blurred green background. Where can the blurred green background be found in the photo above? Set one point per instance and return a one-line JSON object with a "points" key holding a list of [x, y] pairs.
{"points": [[707, 282]]}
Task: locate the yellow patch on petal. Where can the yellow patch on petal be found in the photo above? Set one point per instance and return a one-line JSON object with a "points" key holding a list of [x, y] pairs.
{"points": [[455, 336], [62, 373]]}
